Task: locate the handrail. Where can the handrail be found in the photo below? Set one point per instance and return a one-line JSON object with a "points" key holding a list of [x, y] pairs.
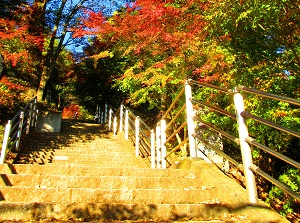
{"points": [[271, 124], [143, 135], [274, 153], [215, 108], [244, 139], [284, 187], [225, 90], [135, 129], [269, 95], [223, 133], [231, 160], [17, 126]]}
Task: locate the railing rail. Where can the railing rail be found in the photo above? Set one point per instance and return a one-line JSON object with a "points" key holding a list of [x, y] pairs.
{"points": [[17, 126]]}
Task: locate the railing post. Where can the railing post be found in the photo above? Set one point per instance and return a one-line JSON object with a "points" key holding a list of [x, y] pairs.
{"points": [[109, 119], [158, 147], [137, 133], [245, 148], [34, 113], [98, 114], [36, 118], [20, 127], [126, 124], [105, 113], [29, 117], [115, 125], [121, 118], [163, 142], [5, 141], [190, 121], [152, 149]]}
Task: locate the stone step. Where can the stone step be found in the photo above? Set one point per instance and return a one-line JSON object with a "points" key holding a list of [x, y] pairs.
{"points": [[102, 157], [86, 212], [83, 151], [100, 182], [74, 146], [82, 162], [92, 170], [104, 196]]}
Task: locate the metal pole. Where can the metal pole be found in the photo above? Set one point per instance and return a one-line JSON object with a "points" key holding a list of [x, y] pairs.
{"points": [[36, 119], [190, 121], [152, 149], [158, 147], [34, 114], [19, 134], [5, 141], [105, 113], [99, 114], [102, 117], [121, 118], [109, 119], [126, 124], [115, 125], [137, 133], [163, 142], [29, 117], [245, 148]]}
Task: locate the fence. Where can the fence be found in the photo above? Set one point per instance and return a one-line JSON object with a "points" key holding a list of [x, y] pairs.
{"points": [[181, 128], [17, 126]]}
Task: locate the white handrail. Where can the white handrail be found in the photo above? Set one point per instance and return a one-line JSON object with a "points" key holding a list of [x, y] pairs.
{"points": [[158, 137], [15, 128]]}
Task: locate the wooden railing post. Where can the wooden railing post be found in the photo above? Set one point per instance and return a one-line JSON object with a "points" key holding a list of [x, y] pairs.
{"points": [[245, 148]]}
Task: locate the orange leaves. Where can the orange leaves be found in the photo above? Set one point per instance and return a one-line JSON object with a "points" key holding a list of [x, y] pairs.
{"points": [[147, 25], [5, 81], [71, 111]]}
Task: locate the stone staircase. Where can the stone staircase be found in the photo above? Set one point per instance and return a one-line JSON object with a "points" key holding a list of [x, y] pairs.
{"points": [[86, 174]]}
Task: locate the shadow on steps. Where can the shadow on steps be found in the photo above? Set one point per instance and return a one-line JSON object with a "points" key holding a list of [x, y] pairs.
{"points": [[121, 212], [40, 147]]}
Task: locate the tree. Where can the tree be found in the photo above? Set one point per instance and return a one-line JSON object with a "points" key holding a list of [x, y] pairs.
{"points": [[156, 38], [62, 17]]}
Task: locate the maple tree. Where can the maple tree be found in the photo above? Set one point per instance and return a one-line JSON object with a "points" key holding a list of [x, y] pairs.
{"points": [[21, 48], [155, 37]]}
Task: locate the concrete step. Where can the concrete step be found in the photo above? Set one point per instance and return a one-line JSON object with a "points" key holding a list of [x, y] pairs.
{"points": [[85, 157], [100, 182], [81, 152], [92, 170], [134, 212], [95, 195]]}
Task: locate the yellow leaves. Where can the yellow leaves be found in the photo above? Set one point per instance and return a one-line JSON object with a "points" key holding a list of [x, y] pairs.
{"points": [[101, 55], [242, 16]]}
